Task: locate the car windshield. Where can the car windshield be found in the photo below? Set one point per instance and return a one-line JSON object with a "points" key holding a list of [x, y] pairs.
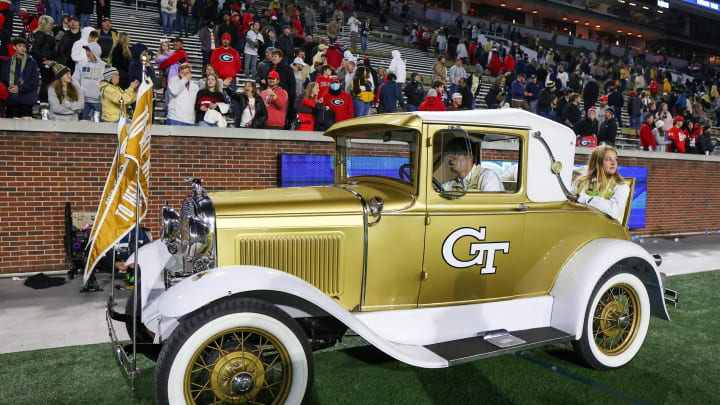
{"points": [[391, 155]]}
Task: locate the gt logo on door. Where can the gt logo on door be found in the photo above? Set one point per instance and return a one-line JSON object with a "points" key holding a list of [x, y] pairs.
{"points": [[484, 252]]}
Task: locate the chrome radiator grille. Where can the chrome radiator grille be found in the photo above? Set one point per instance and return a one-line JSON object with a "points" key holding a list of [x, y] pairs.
{"points": [[314, 256]]}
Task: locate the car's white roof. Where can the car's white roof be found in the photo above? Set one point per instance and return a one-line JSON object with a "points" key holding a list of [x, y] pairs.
{"points": [[542, 185]]}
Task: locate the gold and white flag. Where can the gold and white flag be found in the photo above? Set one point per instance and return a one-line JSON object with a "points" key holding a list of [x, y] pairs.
{"points": [[116, 214]]}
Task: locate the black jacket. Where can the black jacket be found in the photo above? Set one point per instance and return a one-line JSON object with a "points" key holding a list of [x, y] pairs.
{"points": [[586, 127], [607, 132], [545, 100], [287, 80], [122, 64], [242, 101], [285, 43], [65, 49], [571, 115], [590, 93], [414, 93], [492, 96], [466, 97], [43, 47]]}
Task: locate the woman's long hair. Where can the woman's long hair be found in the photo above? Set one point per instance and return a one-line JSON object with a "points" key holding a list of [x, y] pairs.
{"points": [[360, 75], [123, 42], [254, 88], [45, 24], [595, 167], [72, 91], [309, 90], [217, 83]]}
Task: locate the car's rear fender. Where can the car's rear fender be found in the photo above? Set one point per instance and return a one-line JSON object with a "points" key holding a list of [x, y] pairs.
{"points": [[291, 294], [578, 277]]}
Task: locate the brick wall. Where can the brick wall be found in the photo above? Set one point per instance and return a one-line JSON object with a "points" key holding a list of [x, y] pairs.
{"points": [[40, 171]]}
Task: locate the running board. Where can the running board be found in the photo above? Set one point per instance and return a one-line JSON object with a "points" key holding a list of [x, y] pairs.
{"points": [[475, 348]]}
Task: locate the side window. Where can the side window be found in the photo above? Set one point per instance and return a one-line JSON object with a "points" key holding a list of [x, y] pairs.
{"points": [[475, 162]]}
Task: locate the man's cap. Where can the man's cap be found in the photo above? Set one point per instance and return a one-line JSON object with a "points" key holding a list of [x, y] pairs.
{"points": [[270, 49], [226, 36], [334, 79], [457, 95], [299, 61], [274, 17], [632, 93], [678, 118], [533, 76], [108, 73], [550, 83], [521, 75], [273, 75], [106, 19], [286, 26], [73, 18], [604, 98], [659, 124]]}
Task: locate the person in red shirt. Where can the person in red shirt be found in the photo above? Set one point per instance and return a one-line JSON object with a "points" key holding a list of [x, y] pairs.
{"points": [[432, 102], [495, 63], [677, 136], [647, 139], [692, 132], [275, 99], [338, 100], [508, 64], [654, 87], [226, 62], [324, 80], [334, 55]]}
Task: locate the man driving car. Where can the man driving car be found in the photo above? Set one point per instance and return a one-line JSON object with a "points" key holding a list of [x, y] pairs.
{"points": [[468, 176]]}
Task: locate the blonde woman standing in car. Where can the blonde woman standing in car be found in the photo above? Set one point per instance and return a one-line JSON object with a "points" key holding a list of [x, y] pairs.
{"points": [[602, 187]]}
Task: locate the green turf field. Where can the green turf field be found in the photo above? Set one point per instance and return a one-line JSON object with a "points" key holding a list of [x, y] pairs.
{"points": [[679, 364]]}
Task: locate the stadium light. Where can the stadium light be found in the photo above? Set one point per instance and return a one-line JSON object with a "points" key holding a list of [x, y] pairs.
{"points": [[639, 35], [503, 4], [646, 8], [576, 21], [587, 23], [621, 1], [518, 8], [534, 11], [597, 26], [632, 4], [619, 31], [660, 11], [629, 33], [564, 19]]}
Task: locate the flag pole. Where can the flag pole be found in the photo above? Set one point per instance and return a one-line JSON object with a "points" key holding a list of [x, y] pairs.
{"points": [[144, 59]]}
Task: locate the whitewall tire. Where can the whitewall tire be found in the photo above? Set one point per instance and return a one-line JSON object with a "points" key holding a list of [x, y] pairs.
{"points": [[616, 320], [235, 351]]}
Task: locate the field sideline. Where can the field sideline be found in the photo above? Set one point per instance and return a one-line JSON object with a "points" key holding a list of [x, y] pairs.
{"points": [[678, 364]]}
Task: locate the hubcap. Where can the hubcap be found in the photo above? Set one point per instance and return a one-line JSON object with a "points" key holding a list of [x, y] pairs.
{"points": [[239, 366], [615, 319], [242, 383]]}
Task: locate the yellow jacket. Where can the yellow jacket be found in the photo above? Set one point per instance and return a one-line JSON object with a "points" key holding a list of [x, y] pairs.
{"points": [[624, 73], [110, 96], [667, 88]]}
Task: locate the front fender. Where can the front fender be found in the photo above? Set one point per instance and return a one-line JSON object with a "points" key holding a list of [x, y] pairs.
{"points": [[578, 278], [203, 288]]}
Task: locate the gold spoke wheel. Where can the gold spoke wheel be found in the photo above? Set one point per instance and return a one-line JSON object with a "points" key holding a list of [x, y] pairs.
{"points": [[239, 366], [615, 319]]}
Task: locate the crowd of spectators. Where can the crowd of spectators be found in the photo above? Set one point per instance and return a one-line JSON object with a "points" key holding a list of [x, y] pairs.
{"points": [[301, 79]]}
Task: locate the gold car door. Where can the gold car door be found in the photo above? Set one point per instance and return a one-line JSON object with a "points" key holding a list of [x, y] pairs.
{"points": [[474, 240]]}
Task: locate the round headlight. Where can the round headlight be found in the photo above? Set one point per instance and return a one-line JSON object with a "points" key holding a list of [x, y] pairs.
{"points": [[199, 237], [170, 224]]}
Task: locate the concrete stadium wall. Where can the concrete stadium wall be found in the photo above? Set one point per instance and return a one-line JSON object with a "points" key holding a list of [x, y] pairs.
{"points": [[44, 164]]}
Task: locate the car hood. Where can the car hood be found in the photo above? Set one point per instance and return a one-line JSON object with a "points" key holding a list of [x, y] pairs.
{"points": [[331, 200]]}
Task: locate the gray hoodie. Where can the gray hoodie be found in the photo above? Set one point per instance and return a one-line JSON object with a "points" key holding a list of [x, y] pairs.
{"points": [[89, 74]]}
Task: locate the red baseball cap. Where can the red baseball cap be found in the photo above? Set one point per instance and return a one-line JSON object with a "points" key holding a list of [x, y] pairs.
{"points": [[334, 79], [603, 98], [678, 118], [273, 75], [632, 93], [226, 36]]}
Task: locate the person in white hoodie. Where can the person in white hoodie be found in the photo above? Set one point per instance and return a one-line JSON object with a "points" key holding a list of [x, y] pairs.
{"points": [[183, 92], [88, 75], [78, 53], [397, 66]]}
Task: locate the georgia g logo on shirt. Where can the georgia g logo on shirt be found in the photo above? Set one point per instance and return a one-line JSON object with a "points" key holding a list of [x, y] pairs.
{"points": [[337, 101], [226, 57], [477, 249]]}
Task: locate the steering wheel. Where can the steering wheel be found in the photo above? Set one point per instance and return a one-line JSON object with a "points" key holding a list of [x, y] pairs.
{"points": [[436, 185], [405, 172]]}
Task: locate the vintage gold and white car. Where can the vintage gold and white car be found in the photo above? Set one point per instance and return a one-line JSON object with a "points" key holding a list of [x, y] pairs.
{"points": [[245, 285]]}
